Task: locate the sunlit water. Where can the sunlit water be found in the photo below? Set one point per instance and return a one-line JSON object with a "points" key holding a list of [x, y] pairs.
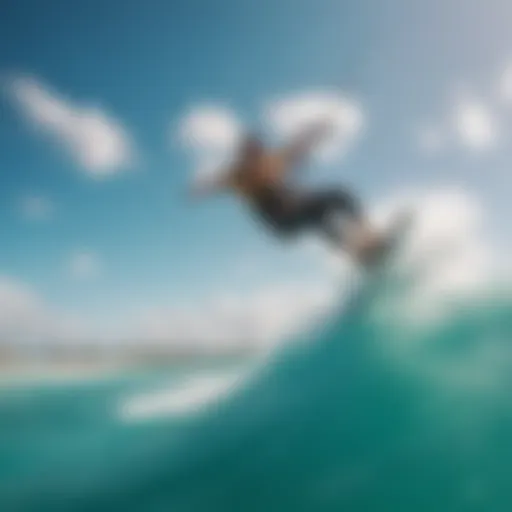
{"points": [[372, 410]]}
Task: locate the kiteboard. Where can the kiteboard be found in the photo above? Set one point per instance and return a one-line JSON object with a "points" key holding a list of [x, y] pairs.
{"points": [[394, 237]]}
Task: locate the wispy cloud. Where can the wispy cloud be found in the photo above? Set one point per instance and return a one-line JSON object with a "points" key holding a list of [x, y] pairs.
{"points": [[288, 115], [84, 265], [98, 143], [36, 208], [475, 125], [474, 121]]}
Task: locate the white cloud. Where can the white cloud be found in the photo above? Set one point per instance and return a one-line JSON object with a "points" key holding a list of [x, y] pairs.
{"points": [[211, 133], [98, 142], [475, 124], [209, 128], [36, 207], [84, 265], [289, 115], [505, 85], [446, 248]]}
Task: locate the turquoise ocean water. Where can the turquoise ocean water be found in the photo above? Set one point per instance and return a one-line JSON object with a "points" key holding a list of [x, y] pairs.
{"points": [[368, 411]]}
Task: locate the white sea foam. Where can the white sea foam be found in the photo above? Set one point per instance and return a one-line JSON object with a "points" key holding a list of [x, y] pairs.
{"points": [[187, 397]]}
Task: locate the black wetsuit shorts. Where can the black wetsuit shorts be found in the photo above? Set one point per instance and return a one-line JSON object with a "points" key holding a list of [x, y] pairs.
{"points": [[289, 213]]}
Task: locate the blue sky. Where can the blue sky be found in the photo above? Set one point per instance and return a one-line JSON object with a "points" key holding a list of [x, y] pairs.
{"points": [[113, 233]]}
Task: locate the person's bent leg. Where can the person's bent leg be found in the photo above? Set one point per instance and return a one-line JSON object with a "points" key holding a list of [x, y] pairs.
{"points": [[340, 217]]}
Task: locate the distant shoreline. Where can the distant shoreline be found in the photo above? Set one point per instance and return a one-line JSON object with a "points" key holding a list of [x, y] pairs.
{"points": [[47, 373]]}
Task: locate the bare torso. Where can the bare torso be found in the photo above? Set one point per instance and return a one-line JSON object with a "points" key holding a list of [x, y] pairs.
{"points": [[251, 179]]}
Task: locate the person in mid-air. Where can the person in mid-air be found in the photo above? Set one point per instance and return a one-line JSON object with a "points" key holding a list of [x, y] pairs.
{"points": [[260, 176]]}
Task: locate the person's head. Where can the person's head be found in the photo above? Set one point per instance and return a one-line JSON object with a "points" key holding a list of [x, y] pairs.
{"points": [[251, 147]]}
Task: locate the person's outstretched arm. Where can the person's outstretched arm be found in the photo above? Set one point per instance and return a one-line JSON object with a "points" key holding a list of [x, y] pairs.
{"points": [[208, 186], [300, 147]]}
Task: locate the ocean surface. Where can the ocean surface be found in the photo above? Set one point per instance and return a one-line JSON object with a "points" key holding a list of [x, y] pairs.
{"points": [[382, 406]]}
